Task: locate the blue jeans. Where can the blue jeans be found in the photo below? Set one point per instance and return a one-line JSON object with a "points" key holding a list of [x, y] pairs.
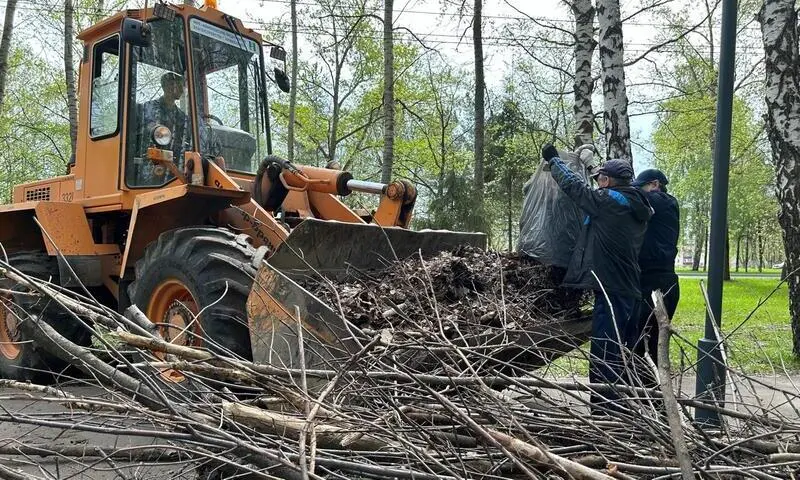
{"points": [[607, 363]]}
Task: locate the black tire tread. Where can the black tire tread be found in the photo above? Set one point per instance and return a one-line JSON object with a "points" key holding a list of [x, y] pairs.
{"points": [[208, 259], [35, 364]]}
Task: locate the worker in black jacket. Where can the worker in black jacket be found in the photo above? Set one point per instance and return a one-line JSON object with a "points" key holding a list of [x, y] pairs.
{"points": [[605, 260], [657, 259]]}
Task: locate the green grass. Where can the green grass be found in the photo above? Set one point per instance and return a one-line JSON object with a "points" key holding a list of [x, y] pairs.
{"points": [[762, 344]]}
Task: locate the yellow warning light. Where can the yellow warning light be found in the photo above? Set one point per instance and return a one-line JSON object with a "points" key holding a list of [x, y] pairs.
{"points": [[211, 3]]}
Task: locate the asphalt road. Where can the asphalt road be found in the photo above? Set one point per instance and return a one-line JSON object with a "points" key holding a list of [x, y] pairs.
{"points": [[65, 468]]}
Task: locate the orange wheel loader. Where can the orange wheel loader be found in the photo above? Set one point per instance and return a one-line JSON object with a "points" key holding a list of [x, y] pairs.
{"points": [[175, 202]]}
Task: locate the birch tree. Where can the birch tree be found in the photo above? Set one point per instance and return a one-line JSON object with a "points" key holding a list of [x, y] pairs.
{"points": [[69, 73], [5, 46], [615, 98], [583, 12], [779, 30], [388, 93]]}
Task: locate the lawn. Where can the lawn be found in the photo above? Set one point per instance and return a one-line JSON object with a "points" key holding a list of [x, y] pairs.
{"points": [[759, 345]]}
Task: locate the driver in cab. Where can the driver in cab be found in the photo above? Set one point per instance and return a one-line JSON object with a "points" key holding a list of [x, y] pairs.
{"points": [[164, 111]]}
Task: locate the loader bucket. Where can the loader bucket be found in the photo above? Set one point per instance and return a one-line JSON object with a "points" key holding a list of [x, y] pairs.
{"points": [[278, 307]]}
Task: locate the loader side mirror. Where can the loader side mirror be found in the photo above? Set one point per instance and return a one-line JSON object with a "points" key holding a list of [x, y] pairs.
{"points": [[136, 32], [282, 80]]}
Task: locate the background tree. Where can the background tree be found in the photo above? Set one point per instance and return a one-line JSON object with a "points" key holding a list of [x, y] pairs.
{"points": [[69, 74], [388, 92], [480, 92], [5, 46], [293, 93]]}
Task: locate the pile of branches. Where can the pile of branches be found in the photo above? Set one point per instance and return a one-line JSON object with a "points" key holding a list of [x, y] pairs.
{"points": [[371, 416]]}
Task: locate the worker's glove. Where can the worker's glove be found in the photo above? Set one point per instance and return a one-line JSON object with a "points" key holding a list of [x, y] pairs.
{"points": [[549, 152], [545, 165], [592, 169]]}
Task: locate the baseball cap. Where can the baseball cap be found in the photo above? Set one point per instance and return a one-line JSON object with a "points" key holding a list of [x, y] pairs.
{"points": [[649, 175], [615, 168]]}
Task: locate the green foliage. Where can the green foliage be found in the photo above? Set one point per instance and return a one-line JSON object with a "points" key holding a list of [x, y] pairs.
{"points": [[33, 128], [684, 150]]}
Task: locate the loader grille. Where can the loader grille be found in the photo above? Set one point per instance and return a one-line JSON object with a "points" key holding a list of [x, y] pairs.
{"points": [[37, 194]]}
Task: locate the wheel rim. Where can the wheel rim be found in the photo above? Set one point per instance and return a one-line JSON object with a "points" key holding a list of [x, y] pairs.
{"points": [[9, 347], [175, 309]]}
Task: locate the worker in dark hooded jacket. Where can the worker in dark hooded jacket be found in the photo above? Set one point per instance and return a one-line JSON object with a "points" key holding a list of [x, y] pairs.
{"points": [[657, 260], [606, 261]]}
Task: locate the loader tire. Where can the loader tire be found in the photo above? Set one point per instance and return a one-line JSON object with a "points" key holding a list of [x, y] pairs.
{"points": [[198, 270], [20, 357]]}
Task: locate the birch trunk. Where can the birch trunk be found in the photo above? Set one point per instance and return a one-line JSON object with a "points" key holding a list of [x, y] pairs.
{"points": [[615, 97], [293, 92], [388, 93], [780, 33], [69, 74], [583, 11], [480, 88], [5, 46]]}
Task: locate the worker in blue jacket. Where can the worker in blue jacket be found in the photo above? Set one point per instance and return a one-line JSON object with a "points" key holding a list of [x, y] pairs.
{"points": [[606, 261], [657, 259]]}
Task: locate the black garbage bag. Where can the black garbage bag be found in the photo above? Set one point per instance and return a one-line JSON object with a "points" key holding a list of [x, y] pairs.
{"points": [[550, 222]]}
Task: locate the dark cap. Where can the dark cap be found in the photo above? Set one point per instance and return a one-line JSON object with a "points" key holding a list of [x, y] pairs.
{"points": [[615, 168], [649, 175]]}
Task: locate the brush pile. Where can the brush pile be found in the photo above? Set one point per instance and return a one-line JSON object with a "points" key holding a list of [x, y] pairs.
{"points": [[476, 287], [378, 415]]}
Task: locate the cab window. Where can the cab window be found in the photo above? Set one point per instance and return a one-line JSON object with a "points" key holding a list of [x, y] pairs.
{"points": [[104, 111], [157, 96]]}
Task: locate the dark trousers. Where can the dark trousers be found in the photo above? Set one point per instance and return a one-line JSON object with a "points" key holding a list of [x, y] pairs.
{"points": [[648, 345], [611, 334]]}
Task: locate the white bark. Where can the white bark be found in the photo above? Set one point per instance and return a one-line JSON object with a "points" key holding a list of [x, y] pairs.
{"points": [[583, 11], [293, 92], [69, 74], [782, 63], [615, 97], [388, 93]]}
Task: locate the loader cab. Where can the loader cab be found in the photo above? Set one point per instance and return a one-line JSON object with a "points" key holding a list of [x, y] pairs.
{"points": [[200, 74]]}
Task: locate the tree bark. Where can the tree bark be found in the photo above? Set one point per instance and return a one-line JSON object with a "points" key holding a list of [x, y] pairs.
{"points": [[388, 92], [760, 245], [615, 97], [726, 271], [780, 33], [293, 91], [746, 253], [69, 73], [705, 247], [583, 11], [738, 251], [480, 89], [5, 47]]}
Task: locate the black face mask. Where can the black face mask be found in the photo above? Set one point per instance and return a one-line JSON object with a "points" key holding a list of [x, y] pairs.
{"points": [[663, 188]]}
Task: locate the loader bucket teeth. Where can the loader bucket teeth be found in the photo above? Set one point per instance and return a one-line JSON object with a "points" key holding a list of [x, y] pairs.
{"points": [[277, 306]]}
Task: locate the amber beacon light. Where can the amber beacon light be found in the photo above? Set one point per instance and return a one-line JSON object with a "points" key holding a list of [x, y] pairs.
{"points": [[211, 3]]}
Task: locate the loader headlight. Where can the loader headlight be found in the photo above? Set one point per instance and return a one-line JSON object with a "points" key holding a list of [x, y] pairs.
{"points": [[161, 135]]}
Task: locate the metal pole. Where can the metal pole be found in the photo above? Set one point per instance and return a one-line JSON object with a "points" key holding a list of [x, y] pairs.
{"points": [[711, 369]]}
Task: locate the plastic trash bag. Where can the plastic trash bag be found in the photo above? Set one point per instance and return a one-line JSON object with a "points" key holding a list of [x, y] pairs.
{"points": [[550, 222]]}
